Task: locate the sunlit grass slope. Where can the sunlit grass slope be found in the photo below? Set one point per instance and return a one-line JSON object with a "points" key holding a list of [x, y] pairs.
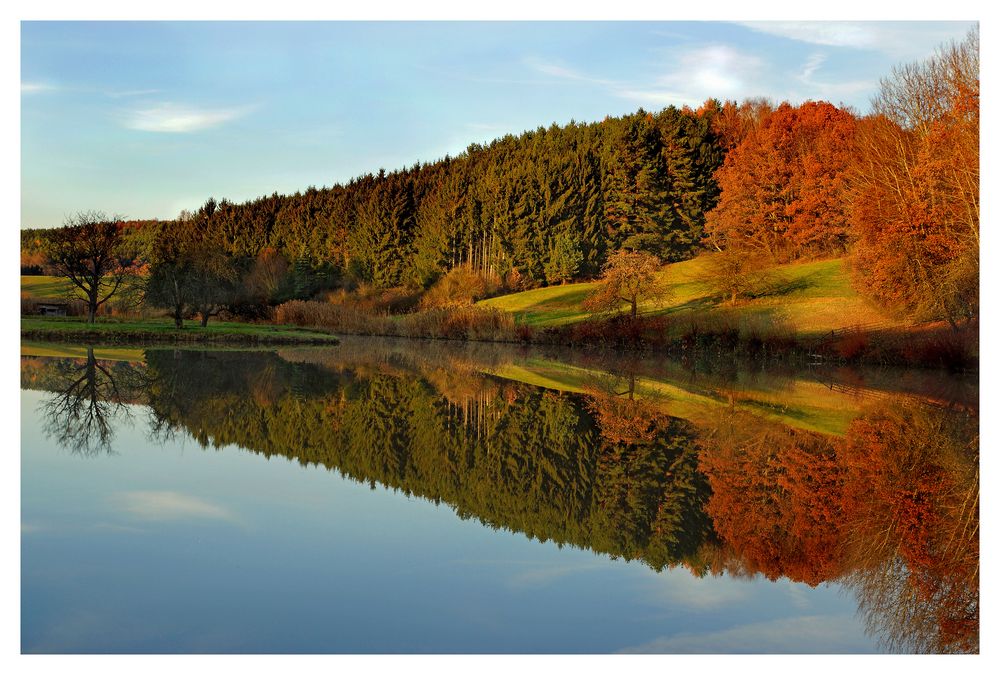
{"points": [[802, 298], [45, 287]]}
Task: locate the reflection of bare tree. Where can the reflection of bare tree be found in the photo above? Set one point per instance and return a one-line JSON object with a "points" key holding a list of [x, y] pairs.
{"points": [[925, 616], [90, 401], [912, 506], [623, 414]]}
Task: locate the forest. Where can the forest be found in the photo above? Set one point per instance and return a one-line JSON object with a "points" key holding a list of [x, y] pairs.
{"points": [[750, 184]]}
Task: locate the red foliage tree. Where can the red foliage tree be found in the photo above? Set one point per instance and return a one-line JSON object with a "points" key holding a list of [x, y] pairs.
{"points": [[784, 184]]}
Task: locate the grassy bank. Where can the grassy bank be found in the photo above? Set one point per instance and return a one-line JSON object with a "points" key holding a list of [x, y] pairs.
{"points": [[162, 331]]}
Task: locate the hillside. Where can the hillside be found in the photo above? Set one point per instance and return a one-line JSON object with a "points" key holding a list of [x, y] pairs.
{"points": [[801, 298]]}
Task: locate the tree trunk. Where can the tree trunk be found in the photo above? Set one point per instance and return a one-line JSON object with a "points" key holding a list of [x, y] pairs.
{"points": [[178, 318], [635, 308], [91, 307], [204, 319]]}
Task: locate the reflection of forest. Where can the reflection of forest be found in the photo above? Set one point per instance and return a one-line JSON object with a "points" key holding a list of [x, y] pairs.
{"points": [[890, 508]]}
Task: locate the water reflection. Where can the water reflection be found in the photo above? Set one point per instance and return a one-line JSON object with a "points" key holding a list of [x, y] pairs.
{"points": [[734, 473], [90, 400]]}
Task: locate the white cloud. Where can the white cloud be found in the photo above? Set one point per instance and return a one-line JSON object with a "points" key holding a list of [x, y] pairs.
{"points": [[129, 93], [36, 87], [691, 76], [901, 40], [176, 119], [794, 635], [566, 73], [829, 33], [687, 77], [164, 505], [811, 65], [679, 588], [836, 92]]}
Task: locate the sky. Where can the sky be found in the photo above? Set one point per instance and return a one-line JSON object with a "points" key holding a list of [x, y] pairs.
{"points": [[145, 119]]}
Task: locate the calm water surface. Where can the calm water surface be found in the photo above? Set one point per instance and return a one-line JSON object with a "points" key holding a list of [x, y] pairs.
{"points": [[413, 497]]}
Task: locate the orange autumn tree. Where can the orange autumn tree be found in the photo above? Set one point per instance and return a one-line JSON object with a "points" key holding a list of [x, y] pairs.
{"points": [[915, 189], [784, 185]]}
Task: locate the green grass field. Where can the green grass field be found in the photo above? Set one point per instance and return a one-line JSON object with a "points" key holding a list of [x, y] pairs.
{"points": [[802, 298]]}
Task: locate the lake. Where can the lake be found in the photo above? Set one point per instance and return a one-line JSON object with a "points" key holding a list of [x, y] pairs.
{"points": [[425, 497]]}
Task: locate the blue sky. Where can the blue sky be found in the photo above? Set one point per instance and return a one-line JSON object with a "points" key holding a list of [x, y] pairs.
{"points": [[147, 119]]}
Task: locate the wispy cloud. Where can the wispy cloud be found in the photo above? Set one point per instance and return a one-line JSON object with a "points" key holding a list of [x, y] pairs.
{"points": [[171, 118], [829, 33], [130, 93], [794, 635], [561, 71], [165, 505], [811, 65], [36, 87], [815, 88], [690, 76], [686, 77], [898, 39]]}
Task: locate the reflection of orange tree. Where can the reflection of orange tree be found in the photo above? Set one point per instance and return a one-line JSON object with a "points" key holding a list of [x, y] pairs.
{"points": [[892, 510], [775, 497], [913, 506], [621, 416]]}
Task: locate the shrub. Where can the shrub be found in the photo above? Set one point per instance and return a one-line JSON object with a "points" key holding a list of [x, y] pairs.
{"points": [[461, 286]]}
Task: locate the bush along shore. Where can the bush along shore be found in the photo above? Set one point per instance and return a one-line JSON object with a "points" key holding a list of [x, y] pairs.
{"points": [[935, 345], [152, 331]]}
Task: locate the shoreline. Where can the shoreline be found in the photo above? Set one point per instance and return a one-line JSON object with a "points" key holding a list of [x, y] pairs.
{"points": [[136, 333]]}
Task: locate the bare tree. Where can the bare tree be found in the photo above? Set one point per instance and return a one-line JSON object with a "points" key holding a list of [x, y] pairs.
{"points": [[86, 251]]}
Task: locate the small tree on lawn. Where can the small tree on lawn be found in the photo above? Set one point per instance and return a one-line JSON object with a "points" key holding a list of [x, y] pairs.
{"points": [[734, 273], [629, 277]]}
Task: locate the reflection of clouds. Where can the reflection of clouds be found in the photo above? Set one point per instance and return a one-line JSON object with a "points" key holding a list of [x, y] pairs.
{"points": [[535, 573], [164, 505], [796, 635], [116, 527], [72, 631], [544, 574], [681, 588]]}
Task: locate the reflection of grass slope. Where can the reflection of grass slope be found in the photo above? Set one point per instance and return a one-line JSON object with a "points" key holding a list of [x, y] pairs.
{"points": [[803, 298], [800, 404], [115, 331], [72, 351]]}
